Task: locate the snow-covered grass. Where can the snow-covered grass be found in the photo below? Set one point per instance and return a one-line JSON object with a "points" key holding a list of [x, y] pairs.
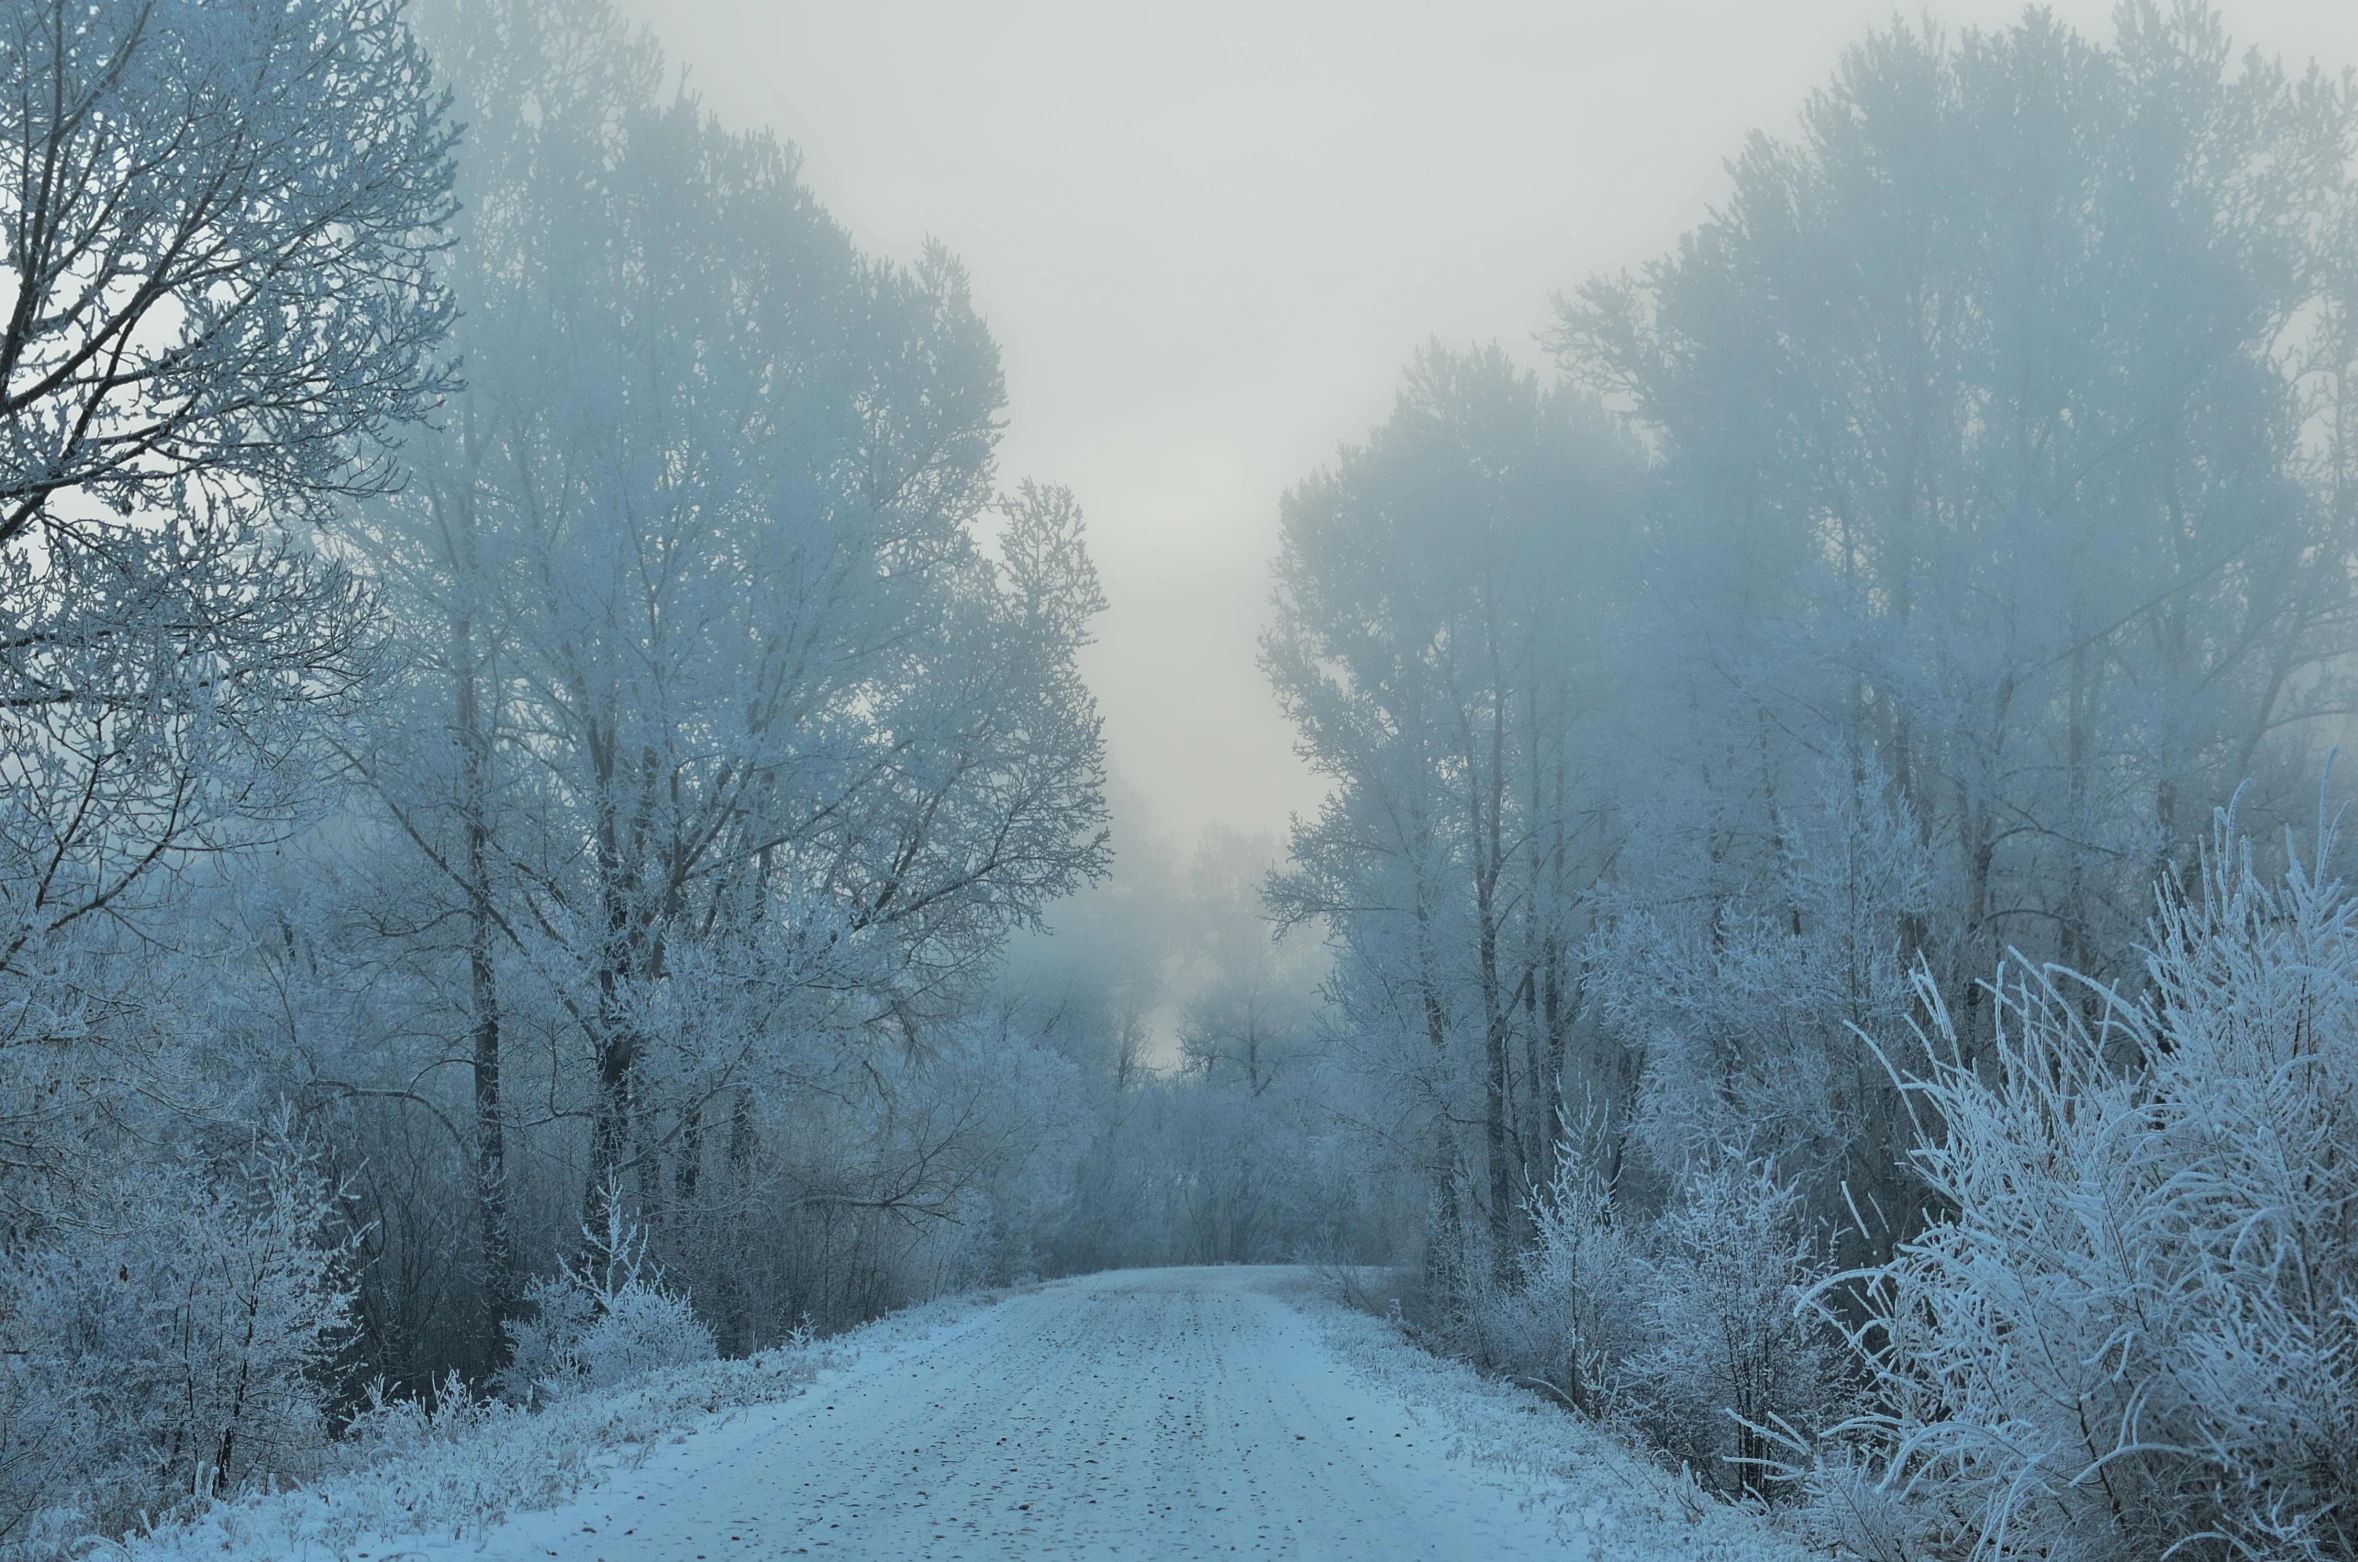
{"points": [[469, 1464], [1608, 1500]]}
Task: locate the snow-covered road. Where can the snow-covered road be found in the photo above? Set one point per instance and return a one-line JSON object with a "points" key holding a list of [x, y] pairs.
{"points": [[1162, 1413]]}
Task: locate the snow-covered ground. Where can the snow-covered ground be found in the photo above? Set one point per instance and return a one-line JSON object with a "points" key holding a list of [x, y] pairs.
{"points": [[1154, 1413]]}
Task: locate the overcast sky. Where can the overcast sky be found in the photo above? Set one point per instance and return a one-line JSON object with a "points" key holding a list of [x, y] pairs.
{"points": [[1209, 233]]}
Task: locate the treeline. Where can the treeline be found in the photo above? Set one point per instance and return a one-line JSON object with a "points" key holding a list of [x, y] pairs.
{"points": [[1756, 754], [1217, 1121]]}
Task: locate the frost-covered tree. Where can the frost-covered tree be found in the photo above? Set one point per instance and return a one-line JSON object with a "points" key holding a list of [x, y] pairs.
{"points": [[1990, 410], [218, 224], [772, 694], [738, 720], [1440, 599], [1750, 1024], [219, 230], [220, 217], [1997, 528], [1992, 525]]}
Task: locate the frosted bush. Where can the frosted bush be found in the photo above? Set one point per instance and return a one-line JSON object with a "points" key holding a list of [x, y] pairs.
{"points": [[640, 1329], [541, 1361], [454, 1465], [1737, 1361], [171, 1347], [1688, 1328], [603, 1320], [2136, 1333], [1574, 1317]]}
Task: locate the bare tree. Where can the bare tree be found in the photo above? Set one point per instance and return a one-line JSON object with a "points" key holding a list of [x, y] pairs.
{"points": [[218, 222]]}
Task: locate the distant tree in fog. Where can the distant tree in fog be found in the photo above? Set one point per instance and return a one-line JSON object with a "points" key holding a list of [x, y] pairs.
{"points": [[2001, 504], [2003, 424], [1441, 593], [1254, 1007], [740, 721]]}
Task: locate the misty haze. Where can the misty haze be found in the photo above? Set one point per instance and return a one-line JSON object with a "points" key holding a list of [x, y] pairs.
{"points": [[1278, 778]]}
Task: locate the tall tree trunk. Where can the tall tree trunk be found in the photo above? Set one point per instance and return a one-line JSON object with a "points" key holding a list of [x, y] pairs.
{"points": [[1557, 1008], [1497, 1024], [609, 1126], [689, 1167], [2079, 746], [1497, 1013], [1446, 1247], [627, 953], [616, 1041], [495, 1249], [491, 1154]]}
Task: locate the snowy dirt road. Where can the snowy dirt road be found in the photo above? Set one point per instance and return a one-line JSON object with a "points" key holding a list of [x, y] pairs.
{"points": [[1164, 1413]]}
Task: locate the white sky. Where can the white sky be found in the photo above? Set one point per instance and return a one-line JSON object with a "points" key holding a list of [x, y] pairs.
{"points": [[1208, 234]]}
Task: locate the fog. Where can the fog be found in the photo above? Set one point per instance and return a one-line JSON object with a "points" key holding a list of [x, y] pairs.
{"points": [[1465, 783], [1208, 235]]}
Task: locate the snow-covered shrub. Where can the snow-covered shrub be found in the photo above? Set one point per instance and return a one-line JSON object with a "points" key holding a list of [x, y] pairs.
{"points": [[172, 1346], [1734, 1357], [604, 1319], [2135, 1333], [1688, 1328], [452, 1466], [1575, 1317]]}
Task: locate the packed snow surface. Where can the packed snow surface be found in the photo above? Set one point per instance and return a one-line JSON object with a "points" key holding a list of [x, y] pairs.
{"points": [[1155, 1413]]}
